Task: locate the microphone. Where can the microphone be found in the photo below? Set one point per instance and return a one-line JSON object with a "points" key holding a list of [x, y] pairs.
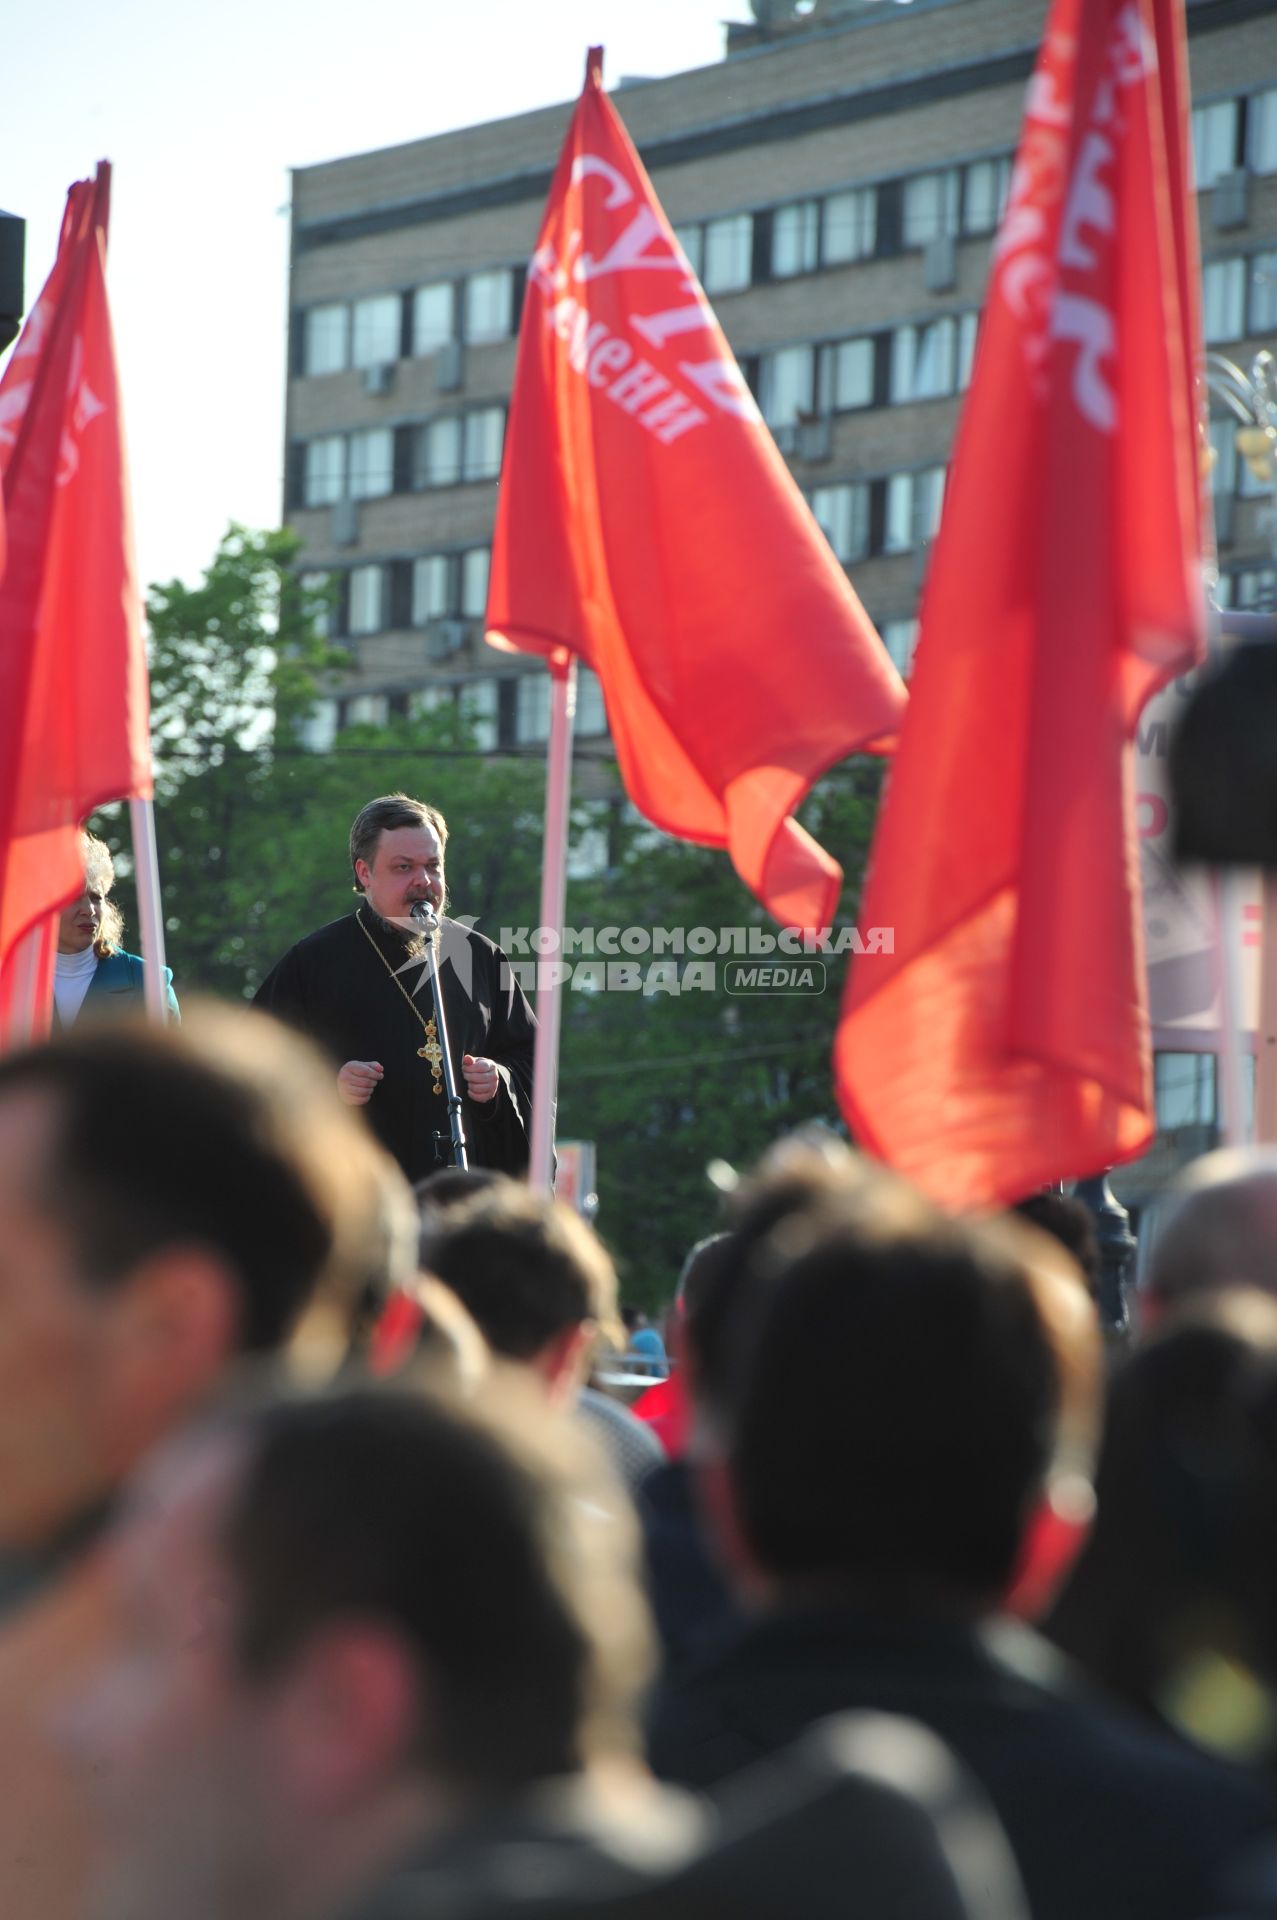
{"points": [[424, 916]]}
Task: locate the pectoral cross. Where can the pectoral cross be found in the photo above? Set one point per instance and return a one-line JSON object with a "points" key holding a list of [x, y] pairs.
{"points": [[433, 1052]]}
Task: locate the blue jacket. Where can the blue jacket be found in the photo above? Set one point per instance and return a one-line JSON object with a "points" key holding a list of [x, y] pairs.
{"points": [[120, 975]]}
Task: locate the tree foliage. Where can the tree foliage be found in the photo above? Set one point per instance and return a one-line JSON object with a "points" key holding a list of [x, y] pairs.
{"points": [[252, 829]]}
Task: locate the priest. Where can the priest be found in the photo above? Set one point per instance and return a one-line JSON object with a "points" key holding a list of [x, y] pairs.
{"points": [[360, 987]]}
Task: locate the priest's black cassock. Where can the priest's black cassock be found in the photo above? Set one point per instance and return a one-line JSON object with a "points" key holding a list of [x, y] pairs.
{"points": [[337, 986]]}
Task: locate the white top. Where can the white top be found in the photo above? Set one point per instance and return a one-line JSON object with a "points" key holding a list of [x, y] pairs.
{"points": [[72, 974]]}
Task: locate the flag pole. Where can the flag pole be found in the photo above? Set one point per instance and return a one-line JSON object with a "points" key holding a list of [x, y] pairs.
{"points": [[146, 866], [549, 1003]]}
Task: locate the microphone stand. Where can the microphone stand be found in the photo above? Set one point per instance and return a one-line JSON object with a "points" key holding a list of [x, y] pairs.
{"points": [[428, 920]]}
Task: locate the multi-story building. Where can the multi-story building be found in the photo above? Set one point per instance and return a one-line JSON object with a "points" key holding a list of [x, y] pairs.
{"points": [[836, 181]]}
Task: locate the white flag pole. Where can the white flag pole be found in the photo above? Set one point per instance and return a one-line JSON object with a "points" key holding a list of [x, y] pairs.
{"points": [[554, 866], [146, 864]]}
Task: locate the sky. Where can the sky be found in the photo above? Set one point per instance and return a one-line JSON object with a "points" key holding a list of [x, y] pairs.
{"points": [[202, 112]]}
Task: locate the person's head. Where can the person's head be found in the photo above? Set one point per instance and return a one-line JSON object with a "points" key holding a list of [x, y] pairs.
{"points": [[1215, 1227], [1071, 1222], [397, 854], [538, 1281], [92, 919], [1173, 1602], [348, 1622], [170, 1198], [890, 1391]]}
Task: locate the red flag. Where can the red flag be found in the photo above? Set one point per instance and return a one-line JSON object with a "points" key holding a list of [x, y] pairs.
{"points": [[73, 690], [648, 524], [1004, 1042]]}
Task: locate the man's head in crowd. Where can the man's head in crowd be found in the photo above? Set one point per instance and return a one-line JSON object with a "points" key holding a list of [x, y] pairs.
{"points": [[170, 1199], [1071, 1222], [352, 1622], [537, 1280], [397, 853], [1216, 1227], [890, 1391]]}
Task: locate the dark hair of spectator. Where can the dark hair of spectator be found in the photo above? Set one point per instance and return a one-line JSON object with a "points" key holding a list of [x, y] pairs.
{"points": [[162, 1138], [383, 815], [527, 1267], [1071, 1222], [887, 1384], [395, 1508]]}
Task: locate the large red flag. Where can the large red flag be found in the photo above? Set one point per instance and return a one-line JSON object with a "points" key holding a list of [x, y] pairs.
{"points": [[1004, 1042], [648, 523], [73, 689]]}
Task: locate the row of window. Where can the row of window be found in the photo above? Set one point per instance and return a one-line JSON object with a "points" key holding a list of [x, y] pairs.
{"points": [[503, 709], [374, 461], [1232, 134], [1239, 296], [385, 327], [1230, 473], [1248, 589], [863, 519], [920, 362], [405, 593]]}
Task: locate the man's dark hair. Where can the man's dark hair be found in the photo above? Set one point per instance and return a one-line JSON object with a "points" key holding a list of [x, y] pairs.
{"points": [[388, 811], [527, 1267], [887, 1389], [217, 1134], [396, 1508], [1071, 1222]]}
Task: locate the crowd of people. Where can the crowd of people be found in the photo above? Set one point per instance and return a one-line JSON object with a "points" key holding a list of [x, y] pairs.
{"points": [[337, 1584]]}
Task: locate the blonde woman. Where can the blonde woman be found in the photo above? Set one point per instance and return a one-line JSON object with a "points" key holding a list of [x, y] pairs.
{"points": [[92, 972]]}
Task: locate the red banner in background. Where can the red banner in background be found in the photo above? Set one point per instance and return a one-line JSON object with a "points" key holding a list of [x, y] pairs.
{"points": [[648, 524], [1004, 1043], [74, 709]]}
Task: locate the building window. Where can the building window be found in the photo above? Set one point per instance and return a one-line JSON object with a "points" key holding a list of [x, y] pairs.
{"points": [[1214, 141], [478, 705], [429, 588], [591, 714], [474, 583], [900, 637], [376, 332], [913, 509], [795, 239], [319, 729], [985, 196], [1262, 117], [1256, 589], [931, 206], [787, 384], [367, 710], [484, 434], [1263, 292], [318, 589], [1184, 1085], [372, 463], [728, 247], [689, 239], [851, 226], [367, 590], [432, 317], [532, 709], [327, 339], [1224, 300], [847, 375], [439, 452], [489, 305], [325, 479], [843, 515], [968, 330], [924, 362], [1223, 440]]}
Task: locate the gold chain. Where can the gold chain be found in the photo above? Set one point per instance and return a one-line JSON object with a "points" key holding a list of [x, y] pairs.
{"points": [[432, 1051]]}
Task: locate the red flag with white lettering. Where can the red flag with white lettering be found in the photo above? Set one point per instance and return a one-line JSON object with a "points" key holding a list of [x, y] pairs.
{"points": [[1004, 1042], [648, 524], [74, 709]]}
